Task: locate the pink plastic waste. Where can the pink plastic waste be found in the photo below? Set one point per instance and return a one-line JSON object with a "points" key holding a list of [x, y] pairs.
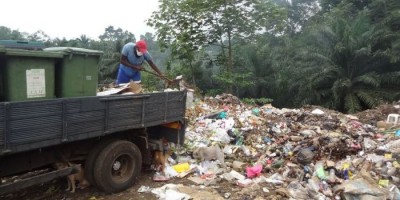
{"points": [[254, 171], [160, 178], [226, 108]]}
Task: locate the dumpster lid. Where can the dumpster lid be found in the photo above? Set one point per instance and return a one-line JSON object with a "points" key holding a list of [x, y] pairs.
{"points": [[32, 53], [23, 44], [73, 50]]}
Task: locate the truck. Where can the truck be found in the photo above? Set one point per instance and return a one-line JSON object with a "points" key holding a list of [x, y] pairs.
{"points": [[112, 137]]}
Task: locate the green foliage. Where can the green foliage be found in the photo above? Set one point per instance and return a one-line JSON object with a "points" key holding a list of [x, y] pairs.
{"points": [[8, 34], [111, 43], [151, 82], [213, 92], [237, 80], [348, 63], [186, 26], [345, 56], [257, 101], [297, 14], [39, 36]]}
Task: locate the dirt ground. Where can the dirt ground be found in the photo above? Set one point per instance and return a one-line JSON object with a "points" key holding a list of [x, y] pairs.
{"points": [[55, 190], [371, 116]]}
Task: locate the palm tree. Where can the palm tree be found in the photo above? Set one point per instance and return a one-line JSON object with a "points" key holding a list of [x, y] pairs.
{"points": [[84, 41], [110, 63], [352, 72]]}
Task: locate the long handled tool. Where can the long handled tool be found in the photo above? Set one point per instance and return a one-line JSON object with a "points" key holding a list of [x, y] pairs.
{"points": [[162, 77]]}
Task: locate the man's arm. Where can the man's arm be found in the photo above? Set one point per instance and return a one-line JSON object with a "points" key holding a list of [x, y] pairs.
{"points": [[124, 61], [154, 67]]}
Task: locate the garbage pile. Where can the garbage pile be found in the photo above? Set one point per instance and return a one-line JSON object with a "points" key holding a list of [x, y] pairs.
{"points": [[264, 152]]}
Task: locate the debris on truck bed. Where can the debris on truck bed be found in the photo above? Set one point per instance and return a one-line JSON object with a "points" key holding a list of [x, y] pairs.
{"points": [[128, 88], [178, 84]]}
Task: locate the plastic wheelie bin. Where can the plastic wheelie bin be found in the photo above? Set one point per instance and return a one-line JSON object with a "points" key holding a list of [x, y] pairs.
{"points": [[77, 72], [27, 74]]}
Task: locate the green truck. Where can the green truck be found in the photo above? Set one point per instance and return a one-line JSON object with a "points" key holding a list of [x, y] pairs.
{"points": [[49, 113]]}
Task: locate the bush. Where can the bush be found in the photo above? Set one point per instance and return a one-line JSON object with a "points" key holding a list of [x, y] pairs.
{"points": [[259, 101]]}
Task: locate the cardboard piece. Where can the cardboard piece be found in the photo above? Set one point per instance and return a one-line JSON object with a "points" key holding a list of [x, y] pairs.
{"points": [[129, 88]]}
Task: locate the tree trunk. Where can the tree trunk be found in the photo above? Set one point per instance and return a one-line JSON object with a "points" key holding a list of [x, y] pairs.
{"points": [[193, 78], [230, 62]]}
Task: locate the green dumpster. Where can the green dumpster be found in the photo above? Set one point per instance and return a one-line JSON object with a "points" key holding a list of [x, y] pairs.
{"points": [[27, 74], [2, 51], [18, 44], [77, 72]]}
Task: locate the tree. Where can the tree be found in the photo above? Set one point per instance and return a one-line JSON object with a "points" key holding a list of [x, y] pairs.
{"points": [[112, 34], [298, 14], [178, 26], [350, 73], [84, 41], [385, 14], [39, 36], [57, 42], [353, 6], [111, 43], [160, 56], [189, 25], [8, 34]]}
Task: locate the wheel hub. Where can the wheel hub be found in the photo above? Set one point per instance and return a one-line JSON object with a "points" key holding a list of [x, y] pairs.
{"points": [[117, 165]]}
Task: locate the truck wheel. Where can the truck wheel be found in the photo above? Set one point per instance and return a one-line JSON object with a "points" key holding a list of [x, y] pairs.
{"points": [[117, 166], [91, 159]]}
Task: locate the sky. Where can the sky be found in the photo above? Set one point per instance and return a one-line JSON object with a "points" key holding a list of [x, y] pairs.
{"points": [[73, 18]]}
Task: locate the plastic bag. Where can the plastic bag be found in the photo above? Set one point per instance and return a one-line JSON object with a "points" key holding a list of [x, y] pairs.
{"points": [[254, 171]]}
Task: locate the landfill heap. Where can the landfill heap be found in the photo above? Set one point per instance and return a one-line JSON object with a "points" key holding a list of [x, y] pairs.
{"points": [[306, 153]]}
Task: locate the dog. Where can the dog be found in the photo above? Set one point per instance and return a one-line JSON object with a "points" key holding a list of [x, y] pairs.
{"points": [[73, 178], [160, 159], [209, 153]]}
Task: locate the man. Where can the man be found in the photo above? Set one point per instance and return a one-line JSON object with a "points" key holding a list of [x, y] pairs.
{"points": [[132, 57]]}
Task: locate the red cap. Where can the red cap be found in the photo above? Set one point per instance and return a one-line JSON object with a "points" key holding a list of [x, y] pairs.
{"points": [[141, 46]]}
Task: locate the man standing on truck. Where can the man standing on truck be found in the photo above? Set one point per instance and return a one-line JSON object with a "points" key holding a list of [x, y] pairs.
{"points": [[133, 56]]}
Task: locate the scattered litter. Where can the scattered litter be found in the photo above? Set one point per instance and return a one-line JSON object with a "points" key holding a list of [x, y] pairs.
{"points": [[144, 189], [170, 192], [306, 153], [182, 167], [254, 171], [160, 178]]}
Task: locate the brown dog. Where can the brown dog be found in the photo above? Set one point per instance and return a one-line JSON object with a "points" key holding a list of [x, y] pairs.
{"points": [[160, 159], [72, 178]]}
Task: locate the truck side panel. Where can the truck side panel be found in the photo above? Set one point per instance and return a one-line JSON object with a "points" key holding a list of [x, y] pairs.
{"points": [[2, 125], [36, 124]]}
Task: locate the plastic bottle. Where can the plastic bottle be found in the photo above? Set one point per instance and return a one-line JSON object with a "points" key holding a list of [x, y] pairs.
{"points": [[222, 115], [332, 176], [239, 140], [314, 184], [398, 133]]}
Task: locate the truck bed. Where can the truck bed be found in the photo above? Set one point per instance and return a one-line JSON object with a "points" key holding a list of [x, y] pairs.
{"points": [[32, 125]]}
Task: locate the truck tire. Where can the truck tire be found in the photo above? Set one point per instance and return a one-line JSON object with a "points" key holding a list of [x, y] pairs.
{"points": [[118, 166], [90, 161]]}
